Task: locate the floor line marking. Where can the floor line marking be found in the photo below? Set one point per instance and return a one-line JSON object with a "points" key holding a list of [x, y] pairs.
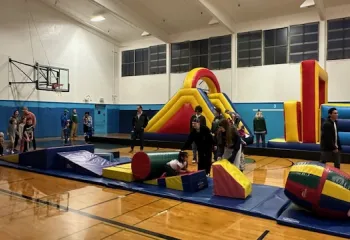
{"points": [[110, 221], [96, 204], [263, 235]]}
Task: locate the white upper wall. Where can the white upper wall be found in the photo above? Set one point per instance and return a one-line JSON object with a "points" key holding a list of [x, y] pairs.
{"points": [[270, 83], [33, 32]]}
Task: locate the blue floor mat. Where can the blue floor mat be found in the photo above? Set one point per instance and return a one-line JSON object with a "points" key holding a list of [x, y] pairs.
{"points": [[265, 201], [299, 218]]}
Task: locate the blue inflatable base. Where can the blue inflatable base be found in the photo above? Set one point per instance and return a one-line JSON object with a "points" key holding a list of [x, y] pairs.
{"points": [[301, 146], [296, 217], [265, 201]]}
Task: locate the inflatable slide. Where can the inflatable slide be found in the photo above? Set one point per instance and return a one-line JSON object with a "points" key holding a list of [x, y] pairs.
{"points": [[171, 123]]}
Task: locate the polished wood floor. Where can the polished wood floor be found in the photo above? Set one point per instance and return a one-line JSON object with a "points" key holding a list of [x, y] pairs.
{"points": [[28, 210]]}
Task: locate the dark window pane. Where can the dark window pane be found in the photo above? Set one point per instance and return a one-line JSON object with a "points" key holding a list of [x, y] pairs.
{"points": [[162, 56], [339, 34], [297, 48], [138, 69], [255, 44], [153, 49], [346, 23], [175, 54], [185, 52], [184, 68], [175, 47], [255, 35], [347, 54], [335, 24], [204, 61], [310, 47], [226, 39], [131, 56], [311, 38], [215, 65], [161, 70], [255, 62], [243, 37], [281, 36], [195, 48], [243, 54], [269, 57], [255, 53], [161, 63], [195, 62], [269, 37], [311, 56], [153, 70], [347, 43], [335, 54], [175, 69], [215, 57], [226, 56], [184, 60], [153, 57], [153, 64], [243, 63], [225, 48], [281, 55], [347, 33], [311, 27], [297, 29], [139, 55], [243, 45], [297, 39], [216, 49], [175, 61], [225, 64], [296, 58], [204, 46], [162, 48], [145, 68], [338, 44], [125, 57]]}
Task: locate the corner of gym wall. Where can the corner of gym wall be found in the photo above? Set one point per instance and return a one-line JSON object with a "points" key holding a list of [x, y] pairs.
{"points": [[31, 31]]}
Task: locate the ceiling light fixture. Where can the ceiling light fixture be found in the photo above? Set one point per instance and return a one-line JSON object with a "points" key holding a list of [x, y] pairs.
{"points": [[213, 21], [145, 34], [98, 18], [307, 4]]}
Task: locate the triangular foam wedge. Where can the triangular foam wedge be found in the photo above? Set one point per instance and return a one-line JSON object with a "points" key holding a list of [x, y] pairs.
{"points": [[229, 181]]}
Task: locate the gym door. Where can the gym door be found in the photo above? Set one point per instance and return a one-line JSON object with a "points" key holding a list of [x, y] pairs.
{"points": [[100, 119]]}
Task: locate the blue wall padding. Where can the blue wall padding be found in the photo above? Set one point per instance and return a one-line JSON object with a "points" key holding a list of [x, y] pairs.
{"points": [[112, 120], [299, 218], [194, 182], [83, 162], [302, 146], [48, 158], [344, 138], [344, 125], [343, 112]]}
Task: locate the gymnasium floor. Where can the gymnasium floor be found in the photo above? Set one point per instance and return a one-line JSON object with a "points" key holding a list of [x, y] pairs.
{"points": [[27, 210]]}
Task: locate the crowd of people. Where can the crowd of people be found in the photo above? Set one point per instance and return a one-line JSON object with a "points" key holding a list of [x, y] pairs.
{"points": [[21, 130]]}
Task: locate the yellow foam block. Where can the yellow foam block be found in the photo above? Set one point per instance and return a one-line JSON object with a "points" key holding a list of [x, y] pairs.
{"points": [[291, 121], [14, 158], [174, 183], [336, 191], [237, 175], [310, 169], [151, 182], [122, 172]]}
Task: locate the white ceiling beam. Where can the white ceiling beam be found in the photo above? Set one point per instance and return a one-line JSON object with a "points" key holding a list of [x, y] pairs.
{"points": [[219, 14], [320, 9], [124, 13], [83, 24]]}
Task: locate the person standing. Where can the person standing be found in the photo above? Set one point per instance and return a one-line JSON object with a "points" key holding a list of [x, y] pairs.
{"points": [[30, 117], [16, 117], [198, 115], [139, 123], [64, 120], [201, 136], [87, 127], [260, 130], [215, 127], [74, 124], [330, 143]]}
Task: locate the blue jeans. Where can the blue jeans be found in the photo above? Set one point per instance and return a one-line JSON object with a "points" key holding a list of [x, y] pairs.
{"points": [[258, 137]]}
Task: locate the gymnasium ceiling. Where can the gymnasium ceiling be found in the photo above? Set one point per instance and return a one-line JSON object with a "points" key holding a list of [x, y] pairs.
{"points": [[126, 20]]}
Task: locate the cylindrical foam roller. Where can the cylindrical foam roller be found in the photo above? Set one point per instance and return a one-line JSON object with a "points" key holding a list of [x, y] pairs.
{"points": [[147, 166]]}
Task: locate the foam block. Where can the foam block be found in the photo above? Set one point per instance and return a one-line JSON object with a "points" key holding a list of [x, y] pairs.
{"points": [[48, 158], [121, 172], [229, 181]]}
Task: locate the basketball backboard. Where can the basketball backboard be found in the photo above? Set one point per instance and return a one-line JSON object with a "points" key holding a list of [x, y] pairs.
{"points": [[51, 78]]}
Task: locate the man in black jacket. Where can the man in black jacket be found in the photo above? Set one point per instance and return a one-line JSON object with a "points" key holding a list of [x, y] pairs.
{"points": [[330, 144], [139, 123], [202, 120], [201, 136]]}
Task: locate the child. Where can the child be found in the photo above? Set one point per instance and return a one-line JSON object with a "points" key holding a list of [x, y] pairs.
{"points": [[87, 120], [2, 143], [66, 132], [20, 133], [243, 136], [177, 166], [28, 135], [11, 132]]}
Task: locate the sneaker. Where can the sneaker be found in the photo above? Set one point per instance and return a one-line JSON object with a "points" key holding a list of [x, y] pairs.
{"points": [[12, 152], [194, 161], [208, 175]]}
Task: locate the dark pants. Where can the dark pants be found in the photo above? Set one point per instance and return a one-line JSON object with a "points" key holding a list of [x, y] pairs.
{"points": [[194, 151], [137, 134], [258, 137], [331, 157], [87, 133], [204, 161], [16, 141], [170, 172], [34, 143], [1, 150], [28, 145]]}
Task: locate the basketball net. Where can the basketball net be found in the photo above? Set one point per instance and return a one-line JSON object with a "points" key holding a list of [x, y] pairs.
{"points": [[57, 88]]}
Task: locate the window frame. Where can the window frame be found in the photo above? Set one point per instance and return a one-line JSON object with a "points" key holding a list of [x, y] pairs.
{"points": [[249, 49], [275, 46]]}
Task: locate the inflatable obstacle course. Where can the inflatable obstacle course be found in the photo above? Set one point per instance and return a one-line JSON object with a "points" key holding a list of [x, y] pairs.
{"points": [[147, 166], [121, 172], [229, 181], [319, 188]]}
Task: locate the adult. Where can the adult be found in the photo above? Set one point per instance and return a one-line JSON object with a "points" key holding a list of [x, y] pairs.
{"points": [[74, 124], [16, 117], [87, 127], [215, 127], [30, 117], [198, 115], [64, 120], [201, 135], [260, 130], [330, 142], [139, 123]]}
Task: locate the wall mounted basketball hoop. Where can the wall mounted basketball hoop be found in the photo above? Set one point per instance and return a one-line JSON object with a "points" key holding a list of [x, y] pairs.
{"points": [[46, 78]]}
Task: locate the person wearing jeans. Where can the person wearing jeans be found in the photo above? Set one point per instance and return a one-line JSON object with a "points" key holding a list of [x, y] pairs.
{"points": [[260, 130], [139, 123], [330, 143]]}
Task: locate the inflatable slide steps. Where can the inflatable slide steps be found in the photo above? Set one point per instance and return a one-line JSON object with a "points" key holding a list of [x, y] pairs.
{"points": [[188, 182], [121, 172], [229, 181]]}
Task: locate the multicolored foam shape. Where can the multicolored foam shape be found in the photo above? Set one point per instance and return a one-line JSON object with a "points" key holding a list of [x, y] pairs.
{"points": [[314, 93], [174, 117], [229, 181], [189, 182], [319, 188], [121, 172]]}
